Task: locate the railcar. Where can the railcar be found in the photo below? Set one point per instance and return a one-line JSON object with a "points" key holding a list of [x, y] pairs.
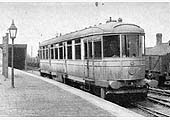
{"points": [[105, 58]]}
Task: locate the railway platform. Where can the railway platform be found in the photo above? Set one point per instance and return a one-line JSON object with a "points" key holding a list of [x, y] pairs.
{"points": [[34, 96]]}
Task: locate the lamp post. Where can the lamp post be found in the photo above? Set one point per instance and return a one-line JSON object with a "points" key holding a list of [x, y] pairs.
{"points": [[13, 33]]}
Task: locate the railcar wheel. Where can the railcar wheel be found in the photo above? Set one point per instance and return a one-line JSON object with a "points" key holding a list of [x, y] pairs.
{"points": [[42, 74], [95, 90], [50, 76]]}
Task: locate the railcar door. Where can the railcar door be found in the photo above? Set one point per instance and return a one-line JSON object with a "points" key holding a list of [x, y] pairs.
{"points": [[65, 59], [88, 59], [49, 55]]}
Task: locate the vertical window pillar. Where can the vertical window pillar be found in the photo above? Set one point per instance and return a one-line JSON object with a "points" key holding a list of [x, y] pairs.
{"points": [[65, 46], [92, 49], [82, 50], [73, 49], [120, 36]]}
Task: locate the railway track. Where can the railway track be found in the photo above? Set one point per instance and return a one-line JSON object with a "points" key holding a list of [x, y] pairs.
{"points": [[150, 111], [159, 91], [163, 102], [157, 103]]}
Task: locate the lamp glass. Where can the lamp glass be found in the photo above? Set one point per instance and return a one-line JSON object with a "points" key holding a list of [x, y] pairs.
{"points": [[13, 30], [13, 33]]}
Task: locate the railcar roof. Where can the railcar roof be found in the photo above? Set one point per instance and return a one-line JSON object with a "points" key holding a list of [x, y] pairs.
{"points": [[111, 27]]}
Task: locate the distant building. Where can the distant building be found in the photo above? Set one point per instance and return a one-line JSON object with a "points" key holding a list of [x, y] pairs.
{"points": [[20, 52], [160, 48], [158, 57]]}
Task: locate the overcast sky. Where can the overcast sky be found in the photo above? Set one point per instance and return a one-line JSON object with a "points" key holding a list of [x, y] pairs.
{"points": [[41, 21]]}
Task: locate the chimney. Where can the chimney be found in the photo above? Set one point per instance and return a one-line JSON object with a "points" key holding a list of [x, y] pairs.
{"points": [[158, 38], [169, 42]]}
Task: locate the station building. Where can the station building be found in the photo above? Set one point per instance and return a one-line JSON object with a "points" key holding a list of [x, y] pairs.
{"points": [[158, 57], [20, 53]]}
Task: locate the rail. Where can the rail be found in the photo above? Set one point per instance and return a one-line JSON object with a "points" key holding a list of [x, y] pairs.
{"points": [[159, 91], [160, 101], [152, 112]]}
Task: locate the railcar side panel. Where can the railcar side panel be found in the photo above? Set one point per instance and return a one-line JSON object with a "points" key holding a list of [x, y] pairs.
{"points": [[75, 68], [44, 65], [57, 66]]}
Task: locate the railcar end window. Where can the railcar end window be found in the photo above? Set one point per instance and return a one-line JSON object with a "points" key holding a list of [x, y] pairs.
{"points": [[131, 46], [111, 46]]}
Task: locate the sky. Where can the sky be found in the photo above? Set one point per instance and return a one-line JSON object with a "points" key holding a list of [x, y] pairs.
{"points": [[38, 21]]}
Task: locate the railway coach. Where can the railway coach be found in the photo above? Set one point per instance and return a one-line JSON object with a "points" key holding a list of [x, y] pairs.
{"points": [[105, 58]]}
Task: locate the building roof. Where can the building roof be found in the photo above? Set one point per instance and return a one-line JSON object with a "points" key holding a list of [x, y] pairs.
{"points": [[15, 45], [161, 49]]}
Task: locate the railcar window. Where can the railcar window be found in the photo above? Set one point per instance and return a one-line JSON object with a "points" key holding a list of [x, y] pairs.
{"points": [[111, 46], [69, 49], [131, 46], [56, 53], [78, 52], [47, 53], [52, 53], [60, 51], [85, 50], [97, 49], [69, 42], [77, 49], [90, 49], [40, 53], [43, 52], [64, 50], [77, 41], [88, 52]]}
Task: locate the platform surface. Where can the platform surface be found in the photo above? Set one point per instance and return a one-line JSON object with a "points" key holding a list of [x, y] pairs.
{"points": [[36, 96]]}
